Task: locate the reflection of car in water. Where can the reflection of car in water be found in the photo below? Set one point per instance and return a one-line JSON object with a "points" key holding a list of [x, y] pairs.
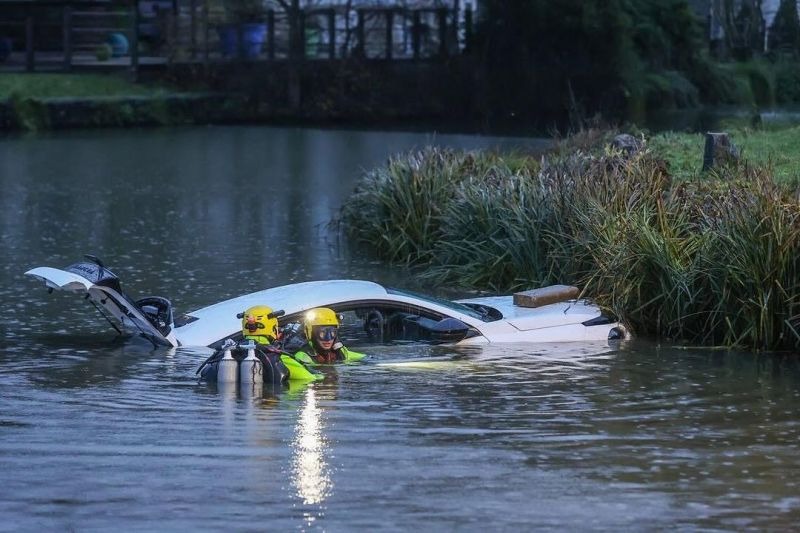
{"points": [[380, 314]]}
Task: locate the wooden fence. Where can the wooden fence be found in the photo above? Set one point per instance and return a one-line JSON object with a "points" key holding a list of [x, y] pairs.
{"points": [[58, 35], [69, 34]]}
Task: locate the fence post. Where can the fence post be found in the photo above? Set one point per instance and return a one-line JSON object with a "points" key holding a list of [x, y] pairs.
{"points": [[135, 41], [192, 29], [468, 28], [360, 34], [206, 48], [176, 14], [389, 32], [172, 36], [67, 31], [441, 14], [331, 34], [270, 34], [301, 17], [29, 57], [240, 42], [416, 28]]}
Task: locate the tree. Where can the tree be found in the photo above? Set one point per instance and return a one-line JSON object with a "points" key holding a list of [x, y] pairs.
{"points": [[784, 35], [743, 26], [543, 59]]}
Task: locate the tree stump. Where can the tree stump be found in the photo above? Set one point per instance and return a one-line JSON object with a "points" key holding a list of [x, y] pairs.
{"points": [[719, 151]]}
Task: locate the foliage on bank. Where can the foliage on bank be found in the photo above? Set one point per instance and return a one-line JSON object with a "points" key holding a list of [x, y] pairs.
{"points": [[711, 259], [546, 61], [38, 102], [578, 57], [41, 86]]}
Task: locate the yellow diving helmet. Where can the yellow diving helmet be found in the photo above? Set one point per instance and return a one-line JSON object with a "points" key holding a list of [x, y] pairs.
{"points": [[260, 321], [320, 323]]}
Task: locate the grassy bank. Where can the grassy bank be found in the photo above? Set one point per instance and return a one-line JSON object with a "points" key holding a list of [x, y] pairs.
{"points": [[774, 150], [42, 86], [707, 258], [36, 102]]}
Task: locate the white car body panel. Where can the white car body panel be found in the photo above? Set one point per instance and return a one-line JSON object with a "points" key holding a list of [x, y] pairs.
{"points": [[60, 280], [527, 318], [558, 322]]}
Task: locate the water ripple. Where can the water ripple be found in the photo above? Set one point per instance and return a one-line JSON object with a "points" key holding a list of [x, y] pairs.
{"points": [[102, 433]]}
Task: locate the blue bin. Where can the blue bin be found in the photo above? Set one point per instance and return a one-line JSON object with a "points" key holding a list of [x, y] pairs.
{"points": [[118, 43], [254, 34]]}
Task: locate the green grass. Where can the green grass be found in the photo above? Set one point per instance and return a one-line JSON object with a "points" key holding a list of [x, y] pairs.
{"points": [[776, 149], [42, 86]]}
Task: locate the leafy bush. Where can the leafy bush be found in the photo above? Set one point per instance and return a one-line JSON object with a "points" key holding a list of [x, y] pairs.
{"points": [[30, 114], [787, 82], [670, 89], [760, 76], [545, 58]]}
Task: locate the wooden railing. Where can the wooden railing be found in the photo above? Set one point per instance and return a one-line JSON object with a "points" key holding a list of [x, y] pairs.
{"points": [[385, 33], [193, 31], [81, 26]]}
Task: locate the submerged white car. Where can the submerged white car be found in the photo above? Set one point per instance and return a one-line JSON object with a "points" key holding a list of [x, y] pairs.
{"points": [[382, 314]]}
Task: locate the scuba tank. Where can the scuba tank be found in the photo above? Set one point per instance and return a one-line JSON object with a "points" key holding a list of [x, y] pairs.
{"points": [[250, 369], [227, 367]]}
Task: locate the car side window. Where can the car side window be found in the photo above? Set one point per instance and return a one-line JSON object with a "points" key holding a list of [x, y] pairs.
{"points": [[381, 322], [386, 323]]}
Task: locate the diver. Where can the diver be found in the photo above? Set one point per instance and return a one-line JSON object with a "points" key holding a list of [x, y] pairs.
{"points": [[260, 324], [322, 346]]}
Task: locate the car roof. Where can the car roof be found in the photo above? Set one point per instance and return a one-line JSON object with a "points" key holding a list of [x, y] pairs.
{"points": [[214, 322]]}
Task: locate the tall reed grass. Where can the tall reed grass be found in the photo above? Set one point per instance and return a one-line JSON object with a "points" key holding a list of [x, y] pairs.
{"points": [[714, 260]]}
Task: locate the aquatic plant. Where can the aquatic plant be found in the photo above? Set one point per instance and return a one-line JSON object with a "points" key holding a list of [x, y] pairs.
{"points": [[750, 263], [496, 221], [397, 208], [708, 258], [397, 205]]}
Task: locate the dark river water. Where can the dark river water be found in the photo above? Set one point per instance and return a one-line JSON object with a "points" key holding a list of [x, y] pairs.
{"points": [[100, 433]]}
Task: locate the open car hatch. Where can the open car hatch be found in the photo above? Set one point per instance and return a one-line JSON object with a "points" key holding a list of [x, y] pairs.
{"points": [[61, 280], [149, 317]]}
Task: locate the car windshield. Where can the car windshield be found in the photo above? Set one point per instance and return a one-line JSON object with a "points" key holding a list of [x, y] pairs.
{"points": [[455, 306]]}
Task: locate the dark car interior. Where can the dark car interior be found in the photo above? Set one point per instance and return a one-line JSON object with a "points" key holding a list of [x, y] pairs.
{"points": [[379, 322], [392, 323]]}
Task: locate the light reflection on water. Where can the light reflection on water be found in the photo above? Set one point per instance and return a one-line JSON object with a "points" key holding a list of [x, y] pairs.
{"points": [[97, 433], [310, 467], [438, 435]]}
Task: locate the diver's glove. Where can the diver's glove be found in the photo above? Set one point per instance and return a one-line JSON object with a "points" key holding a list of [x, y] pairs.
{"points": [[337, 346]]}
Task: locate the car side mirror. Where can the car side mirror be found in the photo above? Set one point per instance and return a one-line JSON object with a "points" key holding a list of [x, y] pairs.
{"points": [[449, 330]]}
